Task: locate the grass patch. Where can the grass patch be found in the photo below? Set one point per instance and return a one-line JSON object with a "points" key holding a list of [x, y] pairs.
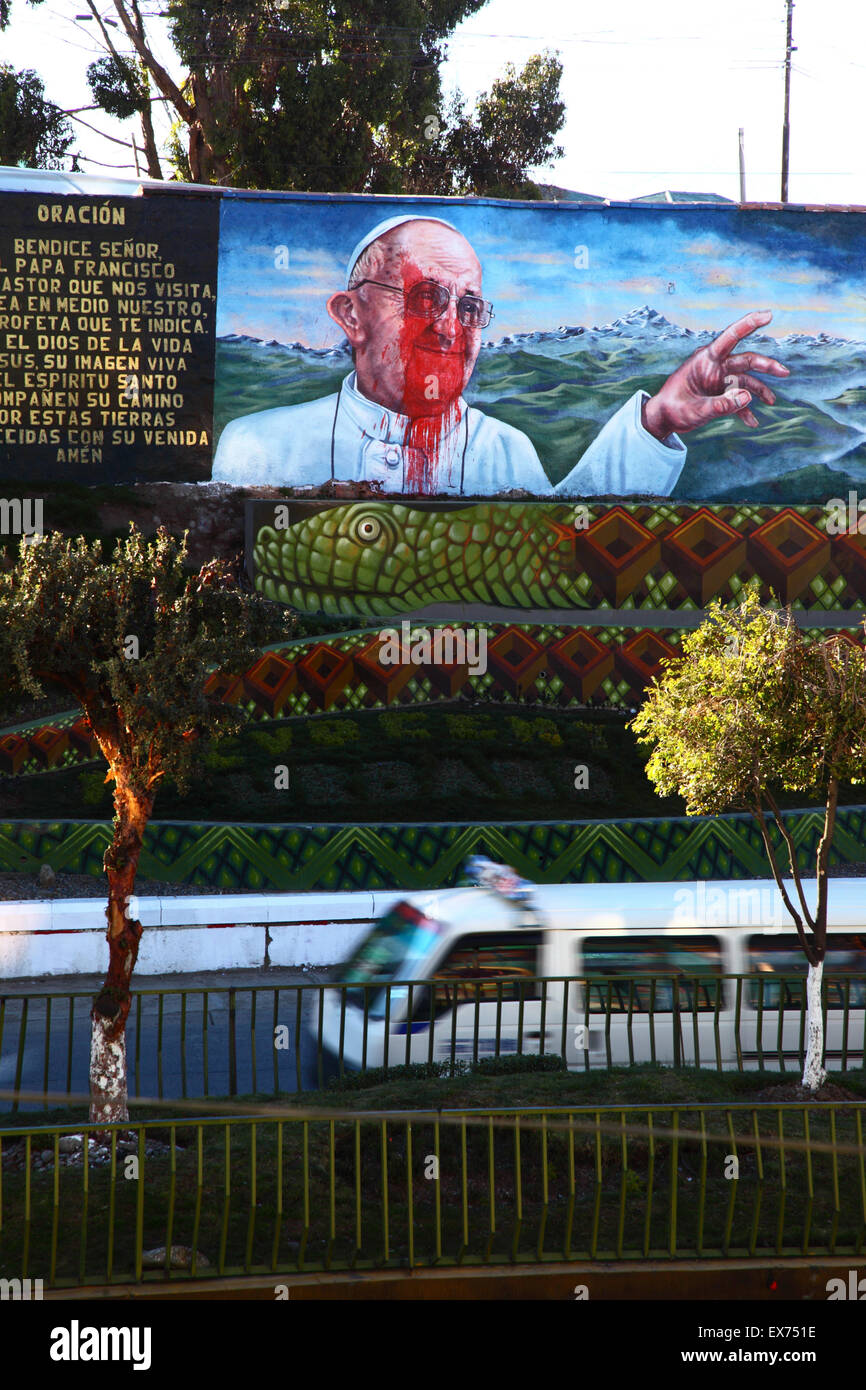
{"points": [[273, 1192]]}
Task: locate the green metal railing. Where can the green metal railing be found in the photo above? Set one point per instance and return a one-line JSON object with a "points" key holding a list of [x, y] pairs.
{"points": [[284, 1192], [273, 1039]]}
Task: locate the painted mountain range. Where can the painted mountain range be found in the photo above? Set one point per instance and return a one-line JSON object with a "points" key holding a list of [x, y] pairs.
{"points": [[560, 386]]}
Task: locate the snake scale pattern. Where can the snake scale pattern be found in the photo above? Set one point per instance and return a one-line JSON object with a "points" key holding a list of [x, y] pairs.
{"points": [[369, 559]]}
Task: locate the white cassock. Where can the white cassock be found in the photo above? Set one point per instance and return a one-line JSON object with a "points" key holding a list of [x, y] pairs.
{"points": [[351, 439]]}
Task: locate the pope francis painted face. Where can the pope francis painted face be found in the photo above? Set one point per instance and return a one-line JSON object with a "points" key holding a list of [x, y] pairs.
{"points": [[412, 354], [413, 314]]}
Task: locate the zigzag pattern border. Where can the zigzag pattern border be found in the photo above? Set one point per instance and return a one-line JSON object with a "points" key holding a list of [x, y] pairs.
{"points": [[334, 857]]}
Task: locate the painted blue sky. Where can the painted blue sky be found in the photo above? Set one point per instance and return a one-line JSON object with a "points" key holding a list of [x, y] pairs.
{"points": [[701, 267]]}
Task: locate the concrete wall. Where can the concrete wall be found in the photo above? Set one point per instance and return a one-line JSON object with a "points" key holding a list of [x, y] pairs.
{"points": [[213, 932]]}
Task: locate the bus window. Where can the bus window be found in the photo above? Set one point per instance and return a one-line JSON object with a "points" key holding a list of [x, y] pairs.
{"points": [[696, 960], [395, 949], [783, 955], [473, 967]]}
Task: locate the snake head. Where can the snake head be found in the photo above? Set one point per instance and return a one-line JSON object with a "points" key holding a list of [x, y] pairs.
{"points": [[357, 558], [384, 558]]}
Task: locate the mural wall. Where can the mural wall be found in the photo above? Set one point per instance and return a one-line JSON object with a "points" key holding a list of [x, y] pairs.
{"points": [[529, 424], [331, 857], [381, 558], [404, 667], [433, 347], [468, 348]]}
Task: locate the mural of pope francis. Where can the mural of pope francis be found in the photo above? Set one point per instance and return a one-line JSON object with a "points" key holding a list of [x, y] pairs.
{"points": [[413, 312]]}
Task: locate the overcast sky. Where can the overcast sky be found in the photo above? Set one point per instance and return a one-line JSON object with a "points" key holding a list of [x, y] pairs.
{"points": [[655, 93]]}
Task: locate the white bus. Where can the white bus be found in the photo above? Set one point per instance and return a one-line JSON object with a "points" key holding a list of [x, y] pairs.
{"points": [[602, 974]]}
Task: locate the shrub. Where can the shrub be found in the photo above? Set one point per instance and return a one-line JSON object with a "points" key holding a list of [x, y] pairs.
{"points": [[512, 1065], [227, 759], [378, 1076], [515, 1063], [92, 788], [336, 733], [588, 735], [403, 726], [272, 744], [469, 727], [542, 730]]}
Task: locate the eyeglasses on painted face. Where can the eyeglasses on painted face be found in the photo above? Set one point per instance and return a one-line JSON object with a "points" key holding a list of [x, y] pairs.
{"points": [[427, 299]]}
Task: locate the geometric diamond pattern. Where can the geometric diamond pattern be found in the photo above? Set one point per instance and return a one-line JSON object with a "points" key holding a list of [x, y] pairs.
{"points": [[548, 677], [624, 559]]}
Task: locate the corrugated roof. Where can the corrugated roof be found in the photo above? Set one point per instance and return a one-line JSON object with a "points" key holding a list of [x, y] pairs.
{"points": [[554, 193], [676, 196]]}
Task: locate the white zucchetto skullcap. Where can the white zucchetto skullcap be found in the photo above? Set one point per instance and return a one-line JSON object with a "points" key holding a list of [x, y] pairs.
{"points": [[384, 227]]}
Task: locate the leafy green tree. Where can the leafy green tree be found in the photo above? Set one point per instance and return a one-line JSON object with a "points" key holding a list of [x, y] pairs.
{"points": [[299, 94], [116, 86], [131, 640], [752, 709], [33, 131], [510, 131]]}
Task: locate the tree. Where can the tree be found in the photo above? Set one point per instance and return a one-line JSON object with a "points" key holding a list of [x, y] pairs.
{"points": [[509, 132], [486, 151], [343, 96], [132, 641], [33, 131], [752, 709]]}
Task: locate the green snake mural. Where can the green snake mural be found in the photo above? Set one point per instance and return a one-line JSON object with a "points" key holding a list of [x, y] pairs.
{"points": [[363, 559]]}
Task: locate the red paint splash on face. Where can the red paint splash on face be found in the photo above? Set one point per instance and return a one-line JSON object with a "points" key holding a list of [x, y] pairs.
{"points": [[433, 356]]}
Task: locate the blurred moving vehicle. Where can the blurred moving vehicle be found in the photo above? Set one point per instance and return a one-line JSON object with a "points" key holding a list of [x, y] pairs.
{"points": [[601, 974]]}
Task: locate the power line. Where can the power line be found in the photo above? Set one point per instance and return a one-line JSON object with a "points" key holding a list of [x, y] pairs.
{"points": [[786, 125], [96, 131], [89, 160]]}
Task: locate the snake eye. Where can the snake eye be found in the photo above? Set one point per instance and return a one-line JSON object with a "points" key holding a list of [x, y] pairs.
{"points": [[369, 529]]}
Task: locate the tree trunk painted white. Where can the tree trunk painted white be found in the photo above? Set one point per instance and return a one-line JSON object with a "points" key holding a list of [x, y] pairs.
{"points": [[108, 1090], [108, 1095], [813, 1072]]}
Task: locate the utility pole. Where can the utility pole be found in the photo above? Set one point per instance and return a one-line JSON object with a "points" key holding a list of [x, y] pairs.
{"points": [[786, 127], [742, 167]]}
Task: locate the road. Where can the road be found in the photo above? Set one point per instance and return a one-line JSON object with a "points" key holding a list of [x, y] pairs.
{"points": [[185, 1052]]}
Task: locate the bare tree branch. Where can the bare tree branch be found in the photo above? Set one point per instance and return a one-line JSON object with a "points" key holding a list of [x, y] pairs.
{"points": [[115, 139], [758, 813], [792, 857], [163, 80]]}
